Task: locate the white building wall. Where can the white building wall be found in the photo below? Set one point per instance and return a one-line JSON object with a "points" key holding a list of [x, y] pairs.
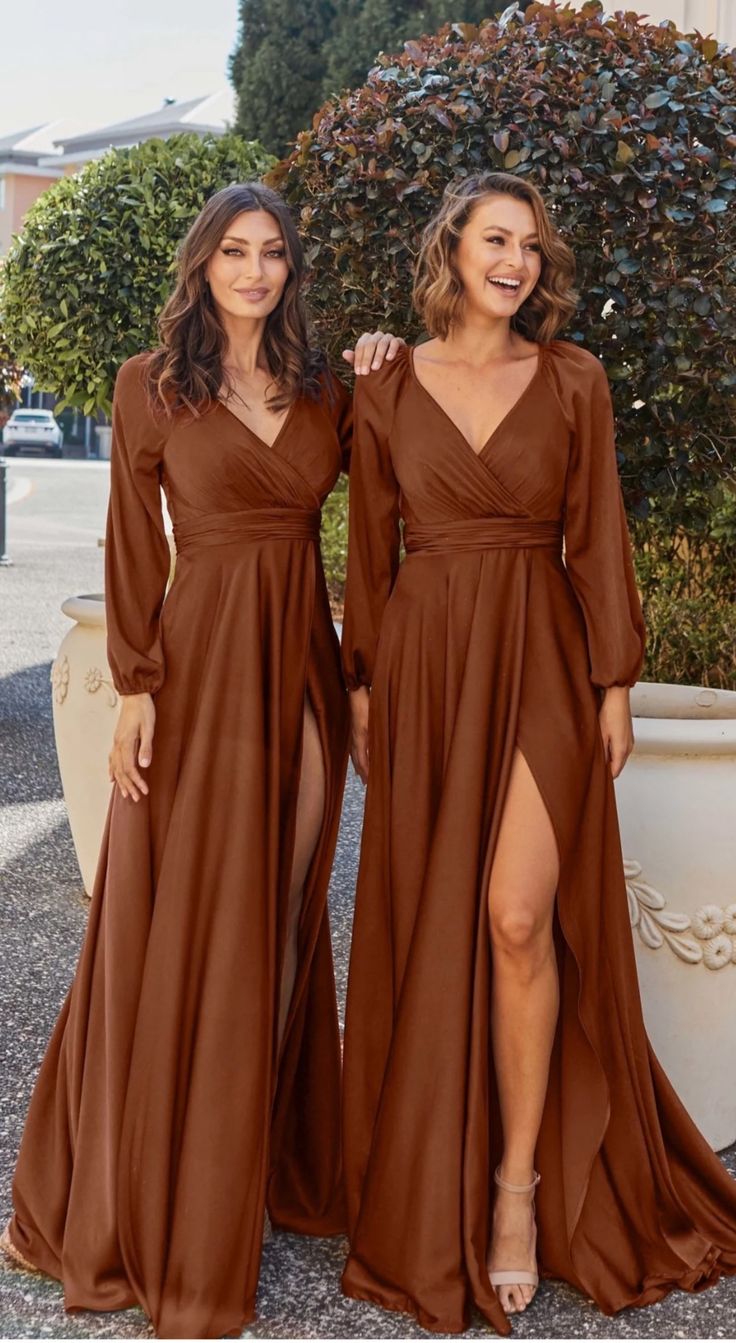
{"points": [[708, 16]]}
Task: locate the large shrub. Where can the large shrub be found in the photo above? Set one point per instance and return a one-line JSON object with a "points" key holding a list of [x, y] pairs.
{"points": [[335, 543], [10, 378], [83, 283], [629, 129], [687, 576]]}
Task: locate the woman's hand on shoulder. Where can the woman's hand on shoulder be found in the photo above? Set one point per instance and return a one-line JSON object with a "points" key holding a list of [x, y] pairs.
{"points": [[371, 349], [616, 726], [132, 748]]}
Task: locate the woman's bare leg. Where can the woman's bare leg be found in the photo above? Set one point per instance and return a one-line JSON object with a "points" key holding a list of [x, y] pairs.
{"points": [[524, 1008], [310, 808]]}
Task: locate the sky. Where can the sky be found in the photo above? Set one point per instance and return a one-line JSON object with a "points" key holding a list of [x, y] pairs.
{"points": [[96, 63]]}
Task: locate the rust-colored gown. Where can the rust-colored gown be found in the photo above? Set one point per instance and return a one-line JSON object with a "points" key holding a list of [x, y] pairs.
{"points": [[481, 641], [161, 1121]]}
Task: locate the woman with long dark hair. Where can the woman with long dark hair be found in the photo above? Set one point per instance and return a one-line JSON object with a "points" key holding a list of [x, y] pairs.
{"points": [[193, 1076], [493, 1019]]}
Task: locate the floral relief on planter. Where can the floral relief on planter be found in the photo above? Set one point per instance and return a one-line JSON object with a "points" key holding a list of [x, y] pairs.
{"points": [[60, 679], [94, 679], [708, 938]]}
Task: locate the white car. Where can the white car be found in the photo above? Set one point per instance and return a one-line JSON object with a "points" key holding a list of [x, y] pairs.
{"points": [[36, 430]]}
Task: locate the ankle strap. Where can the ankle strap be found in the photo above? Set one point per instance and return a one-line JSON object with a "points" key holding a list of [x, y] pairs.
{"points": [[516, 1188]]}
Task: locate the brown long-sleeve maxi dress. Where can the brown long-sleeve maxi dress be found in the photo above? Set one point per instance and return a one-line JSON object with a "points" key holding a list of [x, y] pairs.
{"points": [[483, 640], [162, 1119]]}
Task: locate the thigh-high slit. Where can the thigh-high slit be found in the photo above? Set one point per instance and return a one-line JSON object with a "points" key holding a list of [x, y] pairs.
{"points": [[486, 637], [308, 822]]}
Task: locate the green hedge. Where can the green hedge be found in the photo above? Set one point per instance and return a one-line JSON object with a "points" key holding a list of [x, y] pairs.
{"points": [[335, 542], [629, 129], [83, 283], [10, 376]]}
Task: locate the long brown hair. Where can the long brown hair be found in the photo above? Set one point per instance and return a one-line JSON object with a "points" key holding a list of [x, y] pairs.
{"points": [[186, 371], [438, 290]]}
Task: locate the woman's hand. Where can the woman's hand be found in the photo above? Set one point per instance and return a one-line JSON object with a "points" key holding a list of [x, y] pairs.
{"points": [[360, 700], [371, 349], [132, 744], [617, 730]]}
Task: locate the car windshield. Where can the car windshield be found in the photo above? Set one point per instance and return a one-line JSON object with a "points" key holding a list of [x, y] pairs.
{"points": [[32, 416]]}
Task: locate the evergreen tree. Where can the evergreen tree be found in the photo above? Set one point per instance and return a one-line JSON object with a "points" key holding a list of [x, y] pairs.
{"points": [[290, 57], [278, 68], [362, 28]]}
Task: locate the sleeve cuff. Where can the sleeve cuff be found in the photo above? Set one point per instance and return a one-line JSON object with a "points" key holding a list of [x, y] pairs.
{"points": [[147, 686]]}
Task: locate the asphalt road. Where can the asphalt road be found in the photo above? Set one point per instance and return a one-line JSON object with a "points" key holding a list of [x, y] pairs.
{"points": [[55, 520], [56, 503]]}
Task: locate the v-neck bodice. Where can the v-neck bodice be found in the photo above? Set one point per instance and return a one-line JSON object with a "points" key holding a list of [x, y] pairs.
{"points": [[519, 471], [252, 432], [216, 464], [548, 467], [485, 445]]}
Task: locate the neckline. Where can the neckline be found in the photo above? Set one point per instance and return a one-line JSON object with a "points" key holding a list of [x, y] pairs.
{"points": [[504, 418], [252, 432]]}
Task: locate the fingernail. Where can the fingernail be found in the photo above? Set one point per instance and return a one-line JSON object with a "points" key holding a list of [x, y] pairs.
{"points": [[375, 364], [145, 760]]}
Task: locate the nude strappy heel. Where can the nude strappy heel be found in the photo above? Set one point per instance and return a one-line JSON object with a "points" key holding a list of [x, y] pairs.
{"points": [[510, 1277], [13, 1254]]}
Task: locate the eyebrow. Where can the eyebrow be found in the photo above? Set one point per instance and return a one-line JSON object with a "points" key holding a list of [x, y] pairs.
{"points": [[498, 229], [231, 237]]}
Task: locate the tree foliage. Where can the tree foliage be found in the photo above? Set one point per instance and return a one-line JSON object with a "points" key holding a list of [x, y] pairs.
{"points": [[10, 379], [278, 68], [363, 28], [629, 129], [290, 57], [83, 283]]}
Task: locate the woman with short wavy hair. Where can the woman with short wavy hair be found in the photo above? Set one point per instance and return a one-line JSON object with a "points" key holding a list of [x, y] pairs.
{"points": [[193, 1076], [493, 1016]]}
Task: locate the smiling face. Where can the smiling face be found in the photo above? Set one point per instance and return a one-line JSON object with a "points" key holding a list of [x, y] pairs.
{"points": [[498, 257], [248, 270]]}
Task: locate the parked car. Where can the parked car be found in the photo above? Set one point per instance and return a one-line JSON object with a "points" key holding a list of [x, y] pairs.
{"points": [[35, 430]]}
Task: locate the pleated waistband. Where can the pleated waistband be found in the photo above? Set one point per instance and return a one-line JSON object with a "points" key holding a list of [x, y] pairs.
{"points": [[251, 524], [497, 533]]}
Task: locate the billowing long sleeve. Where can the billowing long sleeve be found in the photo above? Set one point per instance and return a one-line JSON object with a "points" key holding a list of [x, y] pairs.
{"points": [[137, 557], [597, 546], [373, 523]]}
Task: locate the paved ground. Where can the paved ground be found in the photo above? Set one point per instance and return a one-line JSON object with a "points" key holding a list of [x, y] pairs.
{"points": [[55, 520]]}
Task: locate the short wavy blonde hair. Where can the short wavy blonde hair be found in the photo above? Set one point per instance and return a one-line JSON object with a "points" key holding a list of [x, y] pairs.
{"points": [[438, 290]]}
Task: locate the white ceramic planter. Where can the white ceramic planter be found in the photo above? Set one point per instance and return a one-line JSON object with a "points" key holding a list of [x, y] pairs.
{"points": [[677, 809], [85, 705]]}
